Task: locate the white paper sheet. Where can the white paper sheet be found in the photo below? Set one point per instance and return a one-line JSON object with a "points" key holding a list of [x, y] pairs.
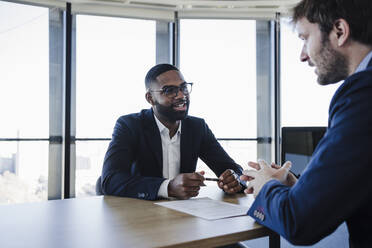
{"points": [[206, 208]]}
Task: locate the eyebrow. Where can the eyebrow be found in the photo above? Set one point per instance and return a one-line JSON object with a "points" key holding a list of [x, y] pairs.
{"points": [[183, 83]]}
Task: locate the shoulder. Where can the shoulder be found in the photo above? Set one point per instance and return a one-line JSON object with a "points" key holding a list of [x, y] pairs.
{"points": [[356, 88], [135, 118], [193, 121], [135, 121], [352, 102], [358, 82]]}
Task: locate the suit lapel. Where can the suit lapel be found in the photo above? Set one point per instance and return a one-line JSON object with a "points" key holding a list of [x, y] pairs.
{"points": [[152, 137], [186, 148]]}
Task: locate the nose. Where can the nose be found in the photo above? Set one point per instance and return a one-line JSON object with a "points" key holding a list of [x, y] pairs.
{"points": [[180, 94], [304, 56]]}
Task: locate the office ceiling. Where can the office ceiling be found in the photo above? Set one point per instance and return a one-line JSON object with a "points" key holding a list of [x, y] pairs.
{"points": [[166, 9], [201, 5]]}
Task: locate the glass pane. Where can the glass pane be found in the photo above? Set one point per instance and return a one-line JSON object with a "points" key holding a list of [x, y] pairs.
{"points": [[304, 101], [24, 70], [113, 56], [23, 171], [240, 151], [90, 155], [219, 56], [89, 161]]}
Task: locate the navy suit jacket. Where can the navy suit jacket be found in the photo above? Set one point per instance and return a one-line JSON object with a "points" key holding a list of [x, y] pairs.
{"points": [[336, 186], [133, 165]]}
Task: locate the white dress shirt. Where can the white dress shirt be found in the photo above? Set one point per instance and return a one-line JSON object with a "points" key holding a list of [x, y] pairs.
{"points": [[171, 148]]}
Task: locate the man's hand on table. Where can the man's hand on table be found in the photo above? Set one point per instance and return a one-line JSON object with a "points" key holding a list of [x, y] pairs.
{"points": [[186, 185], [229, 182], [263, 173]]}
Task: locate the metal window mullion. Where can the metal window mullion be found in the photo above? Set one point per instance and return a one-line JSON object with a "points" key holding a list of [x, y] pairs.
{"points": [[167, 42], [176, 40], [265, 105], [56, 65], [163, 42], [277, 93], [69, 104], [72, 180]]}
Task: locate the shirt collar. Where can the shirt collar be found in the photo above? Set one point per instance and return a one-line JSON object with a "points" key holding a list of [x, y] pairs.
{"points": [[363, 65], [162, 127]]}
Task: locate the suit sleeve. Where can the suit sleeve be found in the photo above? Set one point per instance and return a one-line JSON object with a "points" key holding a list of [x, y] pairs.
{"points": [[119, 175], [335, 185], [214, 155]]}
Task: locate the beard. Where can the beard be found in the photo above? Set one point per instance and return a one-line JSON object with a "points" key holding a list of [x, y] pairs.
{"points": [[169, 113], [331, 65]]}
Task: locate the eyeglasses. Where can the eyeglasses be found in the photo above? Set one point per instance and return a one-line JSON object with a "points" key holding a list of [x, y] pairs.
{"points": [[172, 91]]}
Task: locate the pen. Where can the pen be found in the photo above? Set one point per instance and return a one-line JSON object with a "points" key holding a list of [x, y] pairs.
{"points": [[212, 179]]}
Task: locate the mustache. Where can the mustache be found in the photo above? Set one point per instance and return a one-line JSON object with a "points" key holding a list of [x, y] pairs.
{"points": [[187, 101]]}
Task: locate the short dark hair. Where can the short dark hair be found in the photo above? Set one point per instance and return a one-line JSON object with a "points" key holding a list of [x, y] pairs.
{"points": [[357, 13], [155, 71]]}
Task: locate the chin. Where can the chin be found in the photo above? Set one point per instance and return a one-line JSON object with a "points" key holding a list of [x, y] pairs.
{"points": [[181, 115]]}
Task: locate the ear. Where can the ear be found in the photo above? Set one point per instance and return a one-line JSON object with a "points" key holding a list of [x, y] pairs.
{"points": [[341, 31], [149, 99]]}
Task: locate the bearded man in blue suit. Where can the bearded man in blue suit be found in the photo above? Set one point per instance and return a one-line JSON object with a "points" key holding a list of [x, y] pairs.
{"points": [[153, 153], [336, 186]]}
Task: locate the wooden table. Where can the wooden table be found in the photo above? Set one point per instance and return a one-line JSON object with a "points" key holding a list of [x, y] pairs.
{"points": [[107, 221]]}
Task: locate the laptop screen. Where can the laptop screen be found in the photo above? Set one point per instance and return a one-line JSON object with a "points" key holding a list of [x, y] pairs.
{"points": [[298, 145]]}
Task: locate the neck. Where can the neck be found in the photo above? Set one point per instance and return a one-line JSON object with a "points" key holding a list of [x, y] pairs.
{"points": [[356, 53], [171, 125]]}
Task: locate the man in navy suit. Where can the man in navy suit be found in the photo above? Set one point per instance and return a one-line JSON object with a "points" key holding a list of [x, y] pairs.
{"points": [[337, 185], [153, 153]]}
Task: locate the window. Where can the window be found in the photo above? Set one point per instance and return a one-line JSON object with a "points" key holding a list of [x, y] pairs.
{"points": [[113, 56], [304, 101], [219, 56], [24, 99]]}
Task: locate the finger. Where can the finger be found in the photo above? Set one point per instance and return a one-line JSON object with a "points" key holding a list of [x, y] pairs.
{"points": [[192, 183], [284, 170], [233, 190], [201, 173], [226, 174], [250, 188], [250, 173], [275, 166], [254, 165], [231, 185], [230, 178], [191, 189], [287, 165], [236, 189], [192, 194], [246, 178], [263, 164], [195, 176], [248, 191], [187, 195]]}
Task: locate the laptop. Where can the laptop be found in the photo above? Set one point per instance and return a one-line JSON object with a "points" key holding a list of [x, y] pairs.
{"points": [[298, 145]]}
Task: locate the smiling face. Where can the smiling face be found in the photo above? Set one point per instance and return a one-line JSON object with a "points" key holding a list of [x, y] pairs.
{"points": [[168, 109], [331, 65]]}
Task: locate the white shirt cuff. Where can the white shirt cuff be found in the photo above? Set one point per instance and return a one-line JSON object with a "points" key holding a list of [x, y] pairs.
{"points": [[163, 190]]}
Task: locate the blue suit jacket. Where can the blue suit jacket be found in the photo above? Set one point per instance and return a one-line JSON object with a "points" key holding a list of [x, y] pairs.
{"points": [[133, 165], [337, 183]]}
